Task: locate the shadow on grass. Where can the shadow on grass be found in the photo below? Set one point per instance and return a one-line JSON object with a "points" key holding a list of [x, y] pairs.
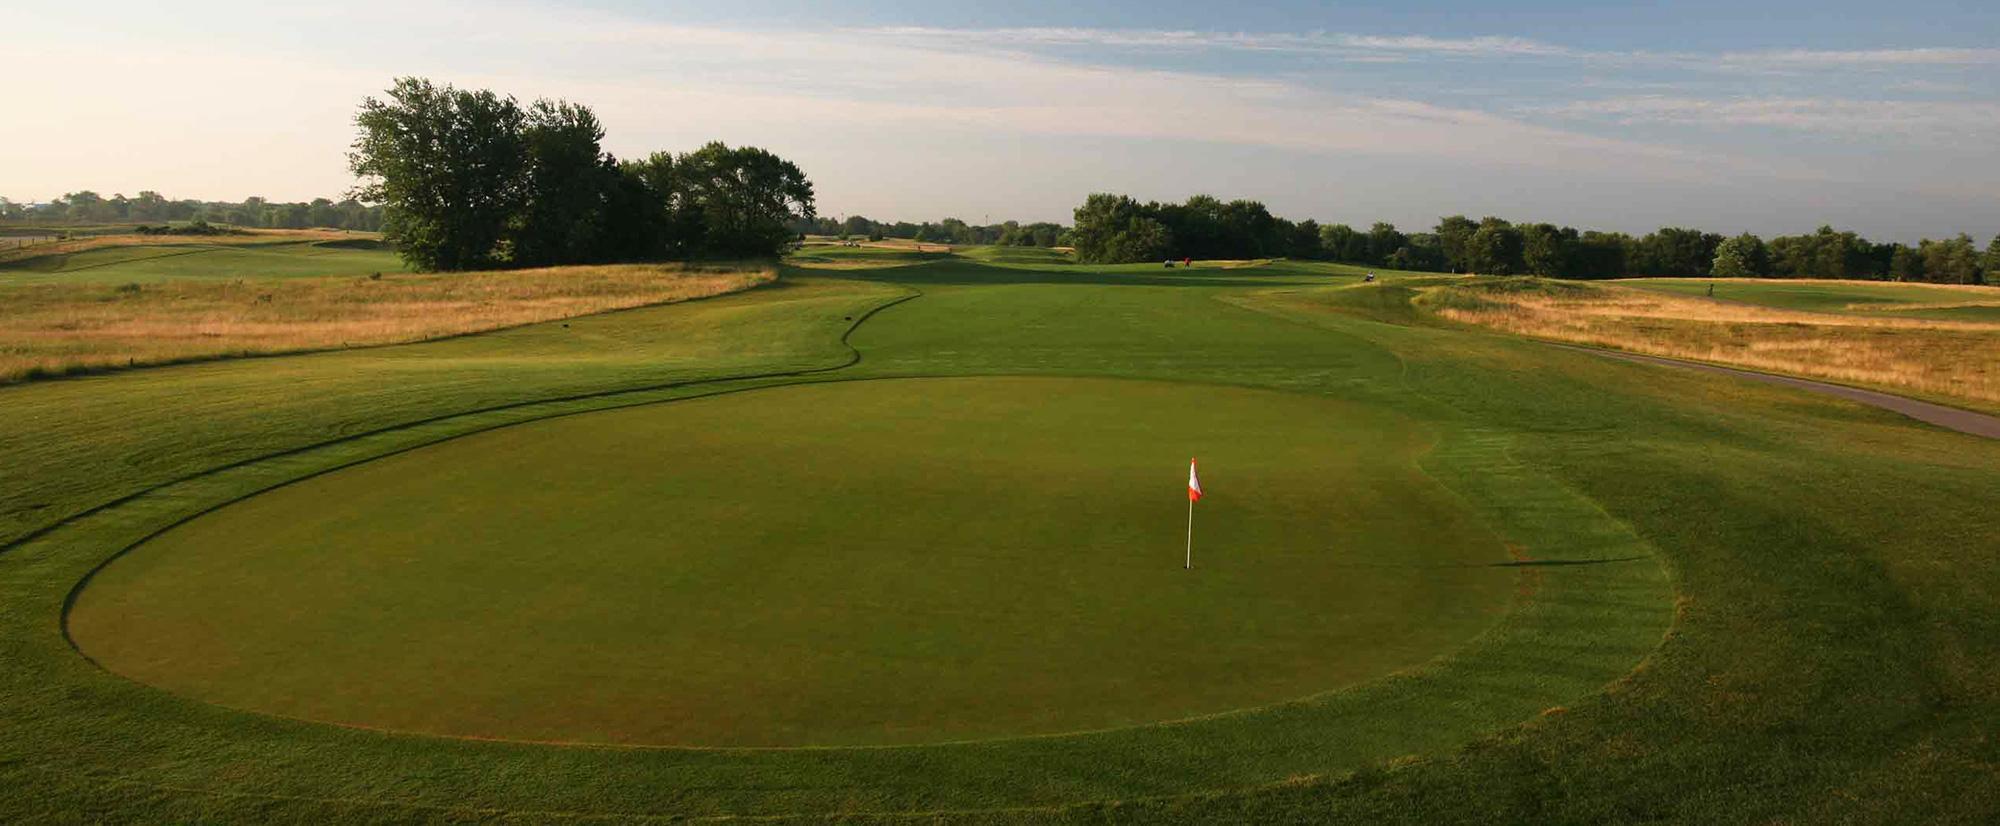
{"points": [[959, 271]]}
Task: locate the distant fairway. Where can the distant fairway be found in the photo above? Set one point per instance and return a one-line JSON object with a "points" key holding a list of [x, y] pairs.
{"points": [[151, 263], [835, 564], [1938, 301]]}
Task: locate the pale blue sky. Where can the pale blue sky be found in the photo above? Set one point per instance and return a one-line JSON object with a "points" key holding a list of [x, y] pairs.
{"points": [[1773, 117]]}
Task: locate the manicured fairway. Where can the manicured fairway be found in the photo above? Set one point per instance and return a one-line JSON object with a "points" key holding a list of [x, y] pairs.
{"points": [[780, 567]]}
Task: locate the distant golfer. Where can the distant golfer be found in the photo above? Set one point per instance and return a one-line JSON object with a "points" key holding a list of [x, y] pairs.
{"points": [[1711, 289], [1187, 262]]}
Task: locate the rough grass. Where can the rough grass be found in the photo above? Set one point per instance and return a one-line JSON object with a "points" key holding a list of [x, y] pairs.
{"points": [[1939, 357], [49, 329]]}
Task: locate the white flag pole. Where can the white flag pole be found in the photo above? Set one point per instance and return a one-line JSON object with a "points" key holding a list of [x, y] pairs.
{"points": [[1189, 564]]}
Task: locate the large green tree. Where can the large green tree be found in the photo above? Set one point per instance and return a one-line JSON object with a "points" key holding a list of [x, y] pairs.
{"points": [[449, 164], [1453, 233], [1113, 229], [1547, 249], [1494, 249], [1743, 256], [1676, 252], [1905, 263], [743, 199], [1950, 261], [566, 185]]}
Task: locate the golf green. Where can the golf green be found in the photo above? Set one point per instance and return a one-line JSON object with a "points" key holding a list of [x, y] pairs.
{"points": [[851, 563]]}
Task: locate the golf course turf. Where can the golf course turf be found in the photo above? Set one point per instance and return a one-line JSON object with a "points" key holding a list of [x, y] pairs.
{"points": [[1599, 590], [771, 567]]}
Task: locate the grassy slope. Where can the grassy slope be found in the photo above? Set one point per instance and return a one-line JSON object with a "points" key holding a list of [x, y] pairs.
{"points": [[1947, 361], [150, 263], [1909, 300], [1831, 659], [58, 328], [83, 441]]}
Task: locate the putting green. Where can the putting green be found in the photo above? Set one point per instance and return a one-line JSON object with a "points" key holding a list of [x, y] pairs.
{"points": [[855, 563]]}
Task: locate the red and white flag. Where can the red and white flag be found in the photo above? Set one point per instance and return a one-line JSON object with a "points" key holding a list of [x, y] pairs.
{"points": [[1194, 483]]}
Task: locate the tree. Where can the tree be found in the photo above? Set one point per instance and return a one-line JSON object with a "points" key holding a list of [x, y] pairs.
{"points": [[744, 197], [84, 206], [448, 164], [566, 182], [1989, 264], [1302, 239], [1383, 241], [1951, 261], [1743, 256], [1602, 255], [1823, 254], [1546, 250], [1341, 243], [1114, 229], [1494, 248], [1676, 252], [1905, 264], [1453, 231], [1421, 252]]}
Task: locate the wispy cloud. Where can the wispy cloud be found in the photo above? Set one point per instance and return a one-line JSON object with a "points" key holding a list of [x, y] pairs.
{"points": [[1943, 119], [1367, 46], [1817, 58], [1359, 46]]}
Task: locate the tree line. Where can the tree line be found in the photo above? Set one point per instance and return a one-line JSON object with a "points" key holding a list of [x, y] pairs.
{"points": [[947, 231], [87, 207], [1117, 229], [471, 179]]}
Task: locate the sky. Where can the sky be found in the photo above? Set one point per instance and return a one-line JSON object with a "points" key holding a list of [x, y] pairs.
{"points": [[1770, 117]]}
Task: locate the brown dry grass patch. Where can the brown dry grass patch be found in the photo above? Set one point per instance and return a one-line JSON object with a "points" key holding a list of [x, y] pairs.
{"points": [[55, 329], [1945, 358]]}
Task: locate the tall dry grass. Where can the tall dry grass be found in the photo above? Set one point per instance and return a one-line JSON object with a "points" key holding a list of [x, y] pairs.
{"points": [[1953, 359], [55, 329]]}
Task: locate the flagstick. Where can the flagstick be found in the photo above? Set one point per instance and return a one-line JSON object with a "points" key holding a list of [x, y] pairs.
{"points": [[1189, 565]]}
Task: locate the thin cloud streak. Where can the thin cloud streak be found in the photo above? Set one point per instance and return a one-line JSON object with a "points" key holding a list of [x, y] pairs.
{"points": [[1929, 119], [1368, 47]]}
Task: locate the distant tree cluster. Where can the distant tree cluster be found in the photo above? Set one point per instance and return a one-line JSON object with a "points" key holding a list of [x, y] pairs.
{"points": [[1117, 229], [947, 231], [472, 180], [87, 207]]}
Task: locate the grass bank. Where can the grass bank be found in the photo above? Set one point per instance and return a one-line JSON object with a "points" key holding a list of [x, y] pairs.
{"points": [[52, 329], [1946, 358]]}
